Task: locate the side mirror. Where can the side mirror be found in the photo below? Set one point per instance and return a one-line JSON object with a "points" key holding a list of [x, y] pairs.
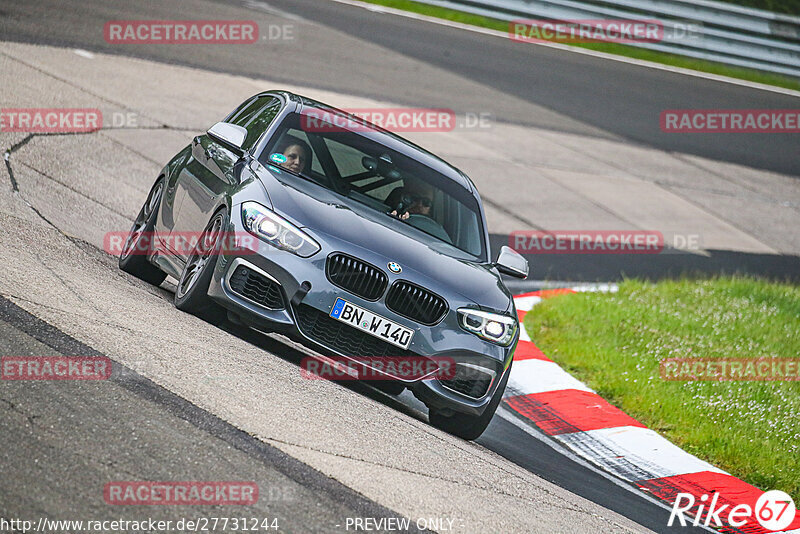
{"points": [[228, 133], [512, 263]]}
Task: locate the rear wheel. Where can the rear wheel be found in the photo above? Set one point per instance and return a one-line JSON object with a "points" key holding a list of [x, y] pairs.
{"points": [[468, 426], [138, 245], [191, 294]]}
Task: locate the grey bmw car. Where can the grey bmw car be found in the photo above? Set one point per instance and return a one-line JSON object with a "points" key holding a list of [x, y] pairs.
{"points": [[347, 238]]}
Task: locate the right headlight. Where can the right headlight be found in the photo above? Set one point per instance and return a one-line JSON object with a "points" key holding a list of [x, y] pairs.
{"points": [[277, 231], [493, 327]]}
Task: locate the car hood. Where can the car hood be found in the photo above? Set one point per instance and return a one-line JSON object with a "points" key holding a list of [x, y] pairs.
{"points": [[374, 237]]}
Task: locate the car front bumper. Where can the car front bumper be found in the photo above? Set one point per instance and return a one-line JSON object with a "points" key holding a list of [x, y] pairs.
{"points": [[308, 296]]}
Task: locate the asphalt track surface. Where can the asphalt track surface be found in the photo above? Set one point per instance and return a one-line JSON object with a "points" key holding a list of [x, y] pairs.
{"points": [[171, 435], [163, 421], [138, 428], [523, 84], [355, 51]]}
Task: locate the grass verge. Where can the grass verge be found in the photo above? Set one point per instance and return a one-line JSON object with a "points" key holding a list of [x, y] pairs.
{"points": [[609, 48], [614, 343]]}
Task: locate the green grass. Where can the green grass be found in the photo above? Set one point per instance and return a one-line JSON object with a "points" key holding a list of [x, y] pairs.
{"points": [[614, 343], [610, 48], [787, 7]]}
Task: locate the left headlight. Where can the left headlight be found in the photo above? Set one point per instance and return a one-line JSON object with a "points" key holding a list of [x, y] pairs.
{"points": [[492, 327], [277, 231]]}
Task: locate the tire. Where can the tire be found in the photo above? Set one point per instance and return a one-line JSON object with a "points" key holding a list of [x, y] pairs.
{"points": [[133, 258], [191, 293], [466, 426]]}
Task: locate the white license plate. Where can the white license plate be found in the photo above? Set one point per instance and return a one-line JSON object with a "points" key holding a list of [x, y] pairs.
{"points": [[373, 324]]}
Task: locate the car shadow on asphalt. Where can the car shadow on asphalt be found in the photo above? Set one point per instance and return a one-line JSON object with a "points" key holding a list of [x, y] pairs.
{"points": [[274, 345]]}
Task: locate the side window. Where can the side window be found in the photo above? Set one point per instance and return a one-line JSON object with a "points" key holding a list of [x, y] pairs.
{"points": [[316, 166], [241, 107], [255, 116], [293, 134]]}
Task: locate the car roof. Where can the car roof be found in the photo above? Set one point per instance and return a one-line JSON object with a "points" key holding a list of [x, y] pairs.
{"points": [[387, 138]]}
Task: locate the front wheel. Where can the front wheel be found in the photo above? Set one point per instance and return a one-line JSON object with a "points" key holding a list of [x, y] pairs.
{"points": [[191, 294], [133, 258], [467, 426]]}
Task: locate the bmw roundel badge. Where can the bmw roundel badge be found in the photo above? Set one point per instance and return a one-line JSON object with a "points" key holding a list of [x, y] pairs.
{"points": [[395, 267]]}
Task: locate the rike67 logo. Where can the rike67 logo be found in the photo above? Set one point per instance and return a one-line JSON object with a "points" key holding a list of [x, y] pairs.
{"points": [[774, 511]]}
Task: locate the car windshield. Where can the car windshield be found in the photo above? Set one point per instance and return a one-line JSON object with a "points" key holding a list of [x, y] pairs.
{"points": [[409, 192]]}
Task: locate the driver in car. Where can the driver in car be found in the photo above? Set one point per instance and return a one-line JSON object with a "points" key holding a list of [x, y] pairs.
{"points": [[414, 198]]}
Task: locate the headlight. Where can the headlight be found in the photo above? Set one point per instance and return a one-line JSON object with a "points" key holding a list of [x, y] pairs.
{"points": [[276, 230], [492, 327]]}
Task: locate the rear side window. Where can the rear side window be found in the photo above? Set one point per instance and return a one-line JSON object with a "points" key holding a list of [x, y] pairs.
{"points": [[255, 116]]}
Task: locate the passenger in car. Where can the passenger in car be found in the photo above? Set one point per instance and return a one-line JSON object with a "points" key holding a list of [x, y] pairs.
{"points": [[297, 153]]}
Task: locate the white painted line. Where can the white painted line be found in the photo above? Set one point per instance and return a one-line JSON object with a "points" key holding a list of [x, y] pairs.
{"points": [[523, 333], [266, 8], [84, 53], [538, 376], [526, 303], [628, 453], [509, 416], [575, 50], [634, 453]]}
